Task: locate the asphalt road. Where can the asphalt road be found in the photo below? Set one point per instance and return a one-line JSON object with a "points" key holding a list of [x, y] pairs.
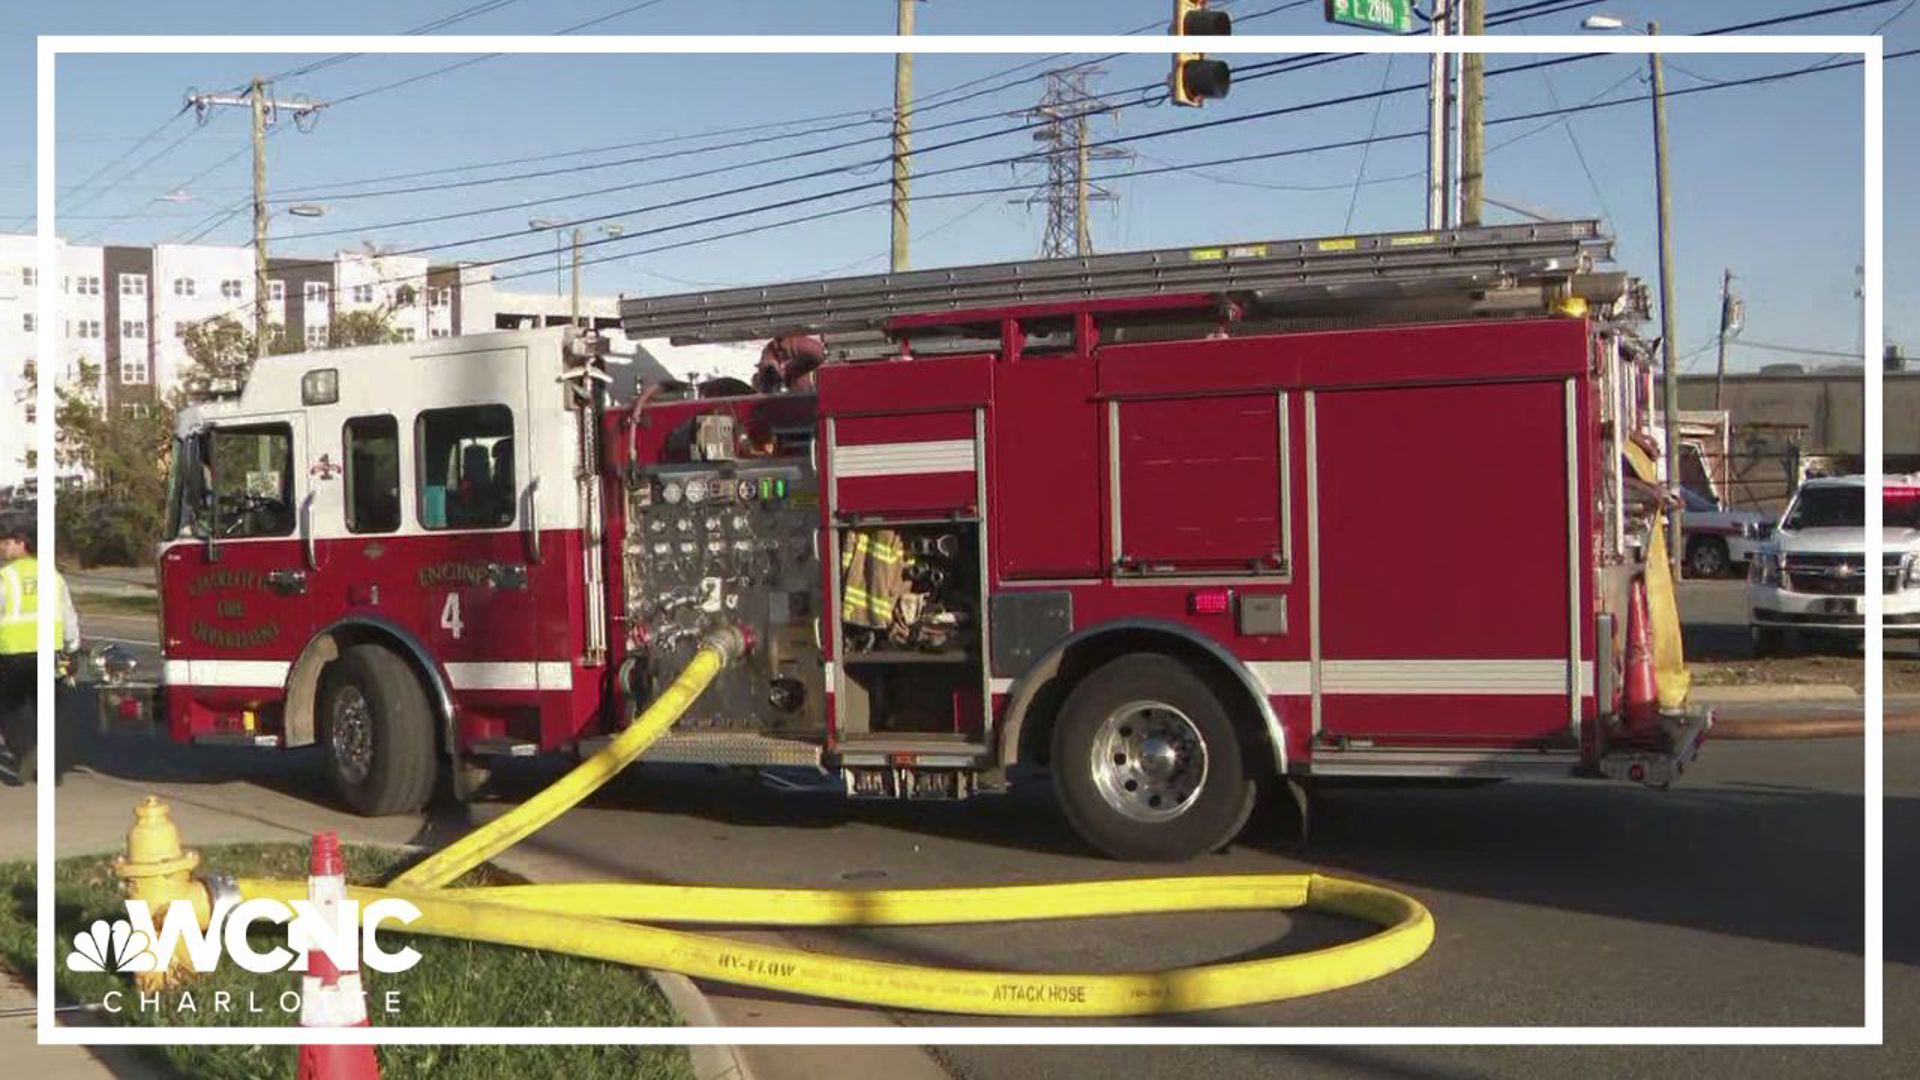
{"points": [[1734, 899]]}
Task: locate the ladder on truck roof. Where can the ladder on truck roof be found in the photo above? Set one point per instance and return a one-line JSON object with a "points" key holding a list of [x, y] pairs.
{"points": [[1320, 275]]}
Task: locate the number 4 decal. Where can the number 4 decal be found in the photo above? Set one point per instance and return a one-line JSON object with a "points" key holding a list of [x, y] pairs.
{"points": [[450, 617]]}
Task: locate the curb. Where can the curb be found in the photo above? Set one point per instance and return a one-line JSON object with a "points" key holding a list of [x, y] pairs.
{"points": [[710, 1062], [1810, 727], [1746, 694]]}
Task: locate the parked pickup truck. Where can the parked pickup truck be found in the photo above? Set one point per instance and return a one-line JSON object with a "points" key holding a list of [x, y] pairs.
{"points": [[1812, 576], [1719, 540]]}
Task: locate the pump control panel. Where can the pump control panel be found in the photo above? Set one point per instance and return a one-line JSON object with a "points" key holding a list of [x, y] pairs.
{"points": [[736, 542]]}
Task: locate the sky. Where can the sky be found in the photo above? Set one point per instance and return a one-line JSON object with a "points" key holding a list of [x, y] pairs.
{"points": [[1766, 179]]}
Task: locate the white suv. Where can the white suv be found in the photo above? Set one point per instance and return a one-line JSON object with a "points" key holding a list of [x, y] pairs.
{"points": [[1813, 575]]}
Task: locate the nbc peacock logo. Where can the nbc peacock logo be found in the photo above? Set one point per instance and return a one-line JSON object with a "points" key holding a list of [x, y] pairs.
{"points": [[117, 948]]}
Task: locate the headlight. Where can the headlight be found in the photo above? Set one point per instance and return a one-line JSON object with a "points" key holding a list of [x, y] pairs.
{"points": [[1911, 578], [1764, 569]]}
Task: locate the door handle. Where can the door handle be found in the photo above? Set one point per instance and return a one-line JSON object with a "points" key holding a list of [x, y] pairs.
{"points": [[532, 522], [306, 532], [287, 582]]}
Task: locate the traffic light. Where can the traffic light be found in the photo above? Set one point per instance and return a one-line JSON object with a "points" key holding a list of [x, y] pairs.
{"points": [[1195, 78]]}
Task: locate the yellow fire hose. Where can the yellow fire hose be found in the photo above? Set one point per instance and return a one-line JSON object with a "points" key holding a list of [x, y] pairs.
{"points": [[593, 920]]}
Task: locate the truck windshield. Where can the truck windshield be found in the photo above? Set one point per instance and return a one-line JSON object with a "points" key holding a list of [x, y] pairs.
{"points": [[1846, 508]]}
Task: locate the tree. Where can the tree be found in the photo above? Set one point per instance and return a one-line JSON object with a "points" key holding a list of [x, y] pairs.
{"points": [[123, 452], [222, 349], [355, 328]]}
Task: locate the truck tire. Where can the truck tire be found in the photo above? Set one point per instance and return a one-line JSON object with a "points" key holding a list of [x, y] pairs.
{"points": [[1147, 763], [1707, 557], [375, 729]]}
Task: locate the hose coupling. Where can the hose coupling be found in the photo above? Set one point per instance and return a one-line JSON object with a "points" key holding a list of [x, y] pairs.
{"points": [[730, 641]]}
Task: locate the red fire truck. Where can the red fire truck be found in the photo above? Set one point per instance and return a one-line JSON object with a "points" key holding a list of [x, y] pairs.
{"points": [[1174, 525]]}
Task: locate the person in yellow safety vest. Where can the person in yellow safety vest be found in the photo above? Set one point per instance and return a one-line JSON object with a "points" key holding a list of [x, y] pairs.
{"points": [[19, 639]]}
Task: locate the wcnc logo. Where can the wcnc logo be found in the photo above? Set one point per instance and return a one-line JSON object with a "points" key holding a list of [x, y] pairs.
{"points": [[347, 938]]}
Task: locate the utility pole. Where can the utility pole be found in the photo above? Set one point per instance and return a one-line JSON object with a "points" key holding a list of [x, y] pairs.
{"points": [[573, 315], [1729, 325], [264, 109], [1437, 125], [1066, 111], [1455, 116], [902, 128], [1668, 335], [1473, 129]]}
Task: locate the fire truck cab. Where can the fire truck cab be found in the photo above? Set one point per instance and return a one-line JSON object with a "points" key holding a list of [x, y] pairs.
{"points": [[1173, 525]]}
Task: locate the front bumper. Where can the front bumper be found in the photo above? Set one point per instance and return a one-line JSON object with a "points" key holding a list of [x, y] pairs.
{"points": [[1772, 606]]}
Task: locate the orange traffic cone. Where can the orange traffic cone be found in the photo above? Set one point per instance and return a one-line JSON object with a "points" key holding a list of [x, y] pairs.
{"points": [[330, 997], [1642, 710]]}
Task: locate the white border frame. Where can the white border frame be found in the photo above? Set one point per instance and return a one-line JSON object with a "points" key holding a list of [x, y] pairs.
{"points": [[1869, 48]]}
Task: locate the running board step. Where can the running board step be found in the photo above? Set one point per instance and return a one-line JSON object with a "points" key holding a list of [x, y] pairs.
{"points": [[1429, 763], [714, 748]]}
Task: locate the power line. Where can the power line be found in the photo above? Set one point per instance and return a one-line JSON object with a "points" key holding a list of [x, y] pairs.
{"points": [[1366, 152], [791, 220], [1239, 159], [853, 166], [471, 60], [479, 9], [862, 117], [426, 28], [1771, 347]]}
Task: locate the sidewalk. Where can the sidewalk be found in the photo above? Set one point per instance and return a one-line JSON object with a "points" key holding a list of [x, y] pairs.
{"points": [[96, 809], [19, 1047]]}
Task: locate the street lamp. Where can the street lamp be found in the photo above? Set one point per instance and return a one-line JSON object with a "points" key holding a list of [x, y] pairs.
{"points": [[1669, 337], [537, 224], [307, 210]]}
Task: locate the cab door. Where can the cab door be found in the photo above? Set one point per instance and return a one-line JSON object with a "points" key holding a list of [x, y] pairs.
{"points": [[237, 601]]}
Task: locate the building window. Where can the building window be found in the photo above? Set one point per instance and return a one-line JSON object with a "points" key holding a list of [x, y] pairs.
{"points": [[27, 321], [86, 328], [133, 371], [180, 330], [133, 284], [442, 297], [405, 296], [373, 474], [133, 328], [136, 408], [184, 286], [438, 331], [231, 288], [316, 337], [31, 411], [276, 291], [363, 294], [465, 467], [406, 333], [316, 292], [87, 286], [29, 276]]}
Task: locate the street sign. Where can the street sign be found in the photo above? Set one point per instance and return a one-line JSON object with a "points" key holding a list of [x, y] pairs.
{"points": [[1392, 16]]}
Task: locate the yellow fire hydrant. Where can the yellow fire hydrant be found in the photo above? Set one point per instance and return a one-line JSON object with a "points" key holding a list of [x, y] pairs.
{"points": [[156, 869]]}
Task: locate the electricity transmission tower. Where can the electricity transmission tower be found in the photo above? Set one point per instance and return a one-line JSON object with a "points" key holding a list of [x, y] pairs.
{"points": [[1066, 110]]}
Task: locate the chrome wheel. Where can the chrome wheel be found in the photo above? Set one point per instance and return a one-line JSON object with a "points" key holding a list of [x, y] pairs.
{"points": [[351, 735], [1149, 761]]}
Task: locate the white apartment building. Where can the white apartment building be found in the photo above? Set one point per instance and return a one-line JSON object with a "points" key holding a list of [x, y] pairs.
{"points": [[124, 312], [83, 332]]}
